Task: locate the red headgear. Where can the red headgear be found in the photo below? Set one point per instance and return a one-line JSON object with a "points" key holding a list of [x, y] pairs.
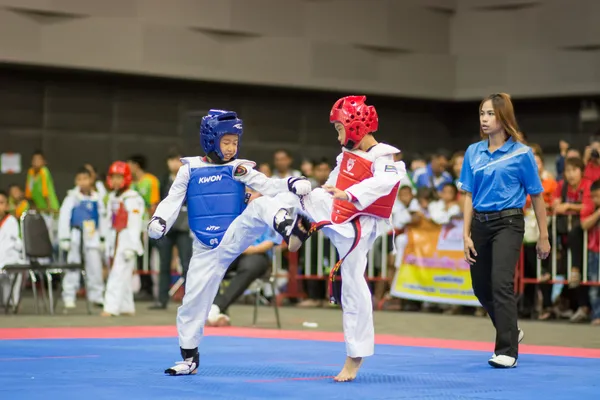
{"points": [[358, 118], [119, 168]]}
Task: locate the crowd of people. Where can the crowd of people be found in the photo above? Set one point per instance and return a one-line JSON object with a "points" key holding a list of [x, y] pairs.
{"points": [[572, 196]]}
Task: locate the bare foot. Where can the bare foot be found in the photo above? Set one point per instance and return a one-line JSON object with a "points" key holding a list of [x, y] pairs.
{"points": [[350, 369], [105, 314]]}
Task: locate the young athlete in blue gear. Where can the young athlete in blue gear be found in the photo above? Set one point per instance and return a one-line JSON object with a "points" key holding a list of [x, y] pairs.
{"points": [[214, 187]]}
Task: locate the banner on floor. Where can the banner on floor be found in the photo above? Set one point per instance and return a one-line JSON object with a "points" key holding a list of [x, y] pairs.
{"points": [[434, 269]]}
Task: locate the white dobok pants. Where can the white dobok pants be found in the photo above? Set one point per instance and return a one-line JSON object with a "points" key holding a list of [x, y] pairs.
{"points": [[208, 266]]}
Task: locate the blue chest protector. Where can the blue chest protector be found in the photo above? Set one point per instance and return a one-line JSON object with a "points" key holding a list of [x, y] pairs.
{"points": [[84, 210], [214, 200]]}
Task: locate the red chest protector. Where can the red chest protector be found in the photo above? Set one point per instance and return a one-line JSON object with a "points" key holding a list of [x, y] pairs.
{"points": [[120, 218], [355, 169]]}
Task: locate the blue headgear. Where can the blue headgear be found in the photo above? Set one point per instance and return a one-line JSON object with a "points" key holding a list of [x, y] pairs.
{"points": [[214, 126]]}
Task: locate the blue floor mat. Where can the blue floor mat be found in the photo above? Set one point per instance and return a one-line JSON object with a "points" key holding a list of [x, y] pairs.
{"points": [[243, 368]]}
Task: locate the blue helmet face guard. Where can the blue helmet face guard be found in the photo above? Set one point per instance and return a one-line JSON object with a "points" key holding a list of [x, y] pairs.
{"points": [[214, 126]]}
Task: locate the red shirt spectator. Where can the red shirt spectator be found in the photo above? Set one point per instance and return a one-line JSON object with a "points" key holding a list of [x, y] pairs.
{"points": [[590, 217], [592, 171], [576, 190], [574, 195]]}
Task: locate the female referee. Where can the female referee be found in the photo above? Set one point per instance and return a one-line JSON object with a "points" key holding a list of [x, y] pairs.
{"points": [[497, 174]]}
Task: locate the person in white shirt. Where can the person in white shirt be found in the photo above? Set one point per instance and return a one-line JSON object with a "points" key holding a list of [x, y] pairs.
{"points": [[404, 213], [10, 250], [282, 160], [80, 231], [443, 210]]}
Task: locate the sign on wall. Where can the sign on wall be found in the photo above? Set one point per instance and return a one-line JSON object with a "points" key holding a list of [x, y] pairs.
{"points": [[10, 163]]}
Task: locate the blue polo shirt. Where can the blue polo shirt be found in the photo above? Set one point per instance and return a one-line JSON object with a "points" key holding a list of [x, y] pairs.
{"points": [[424, 177], [500, 180], [270, 235]]}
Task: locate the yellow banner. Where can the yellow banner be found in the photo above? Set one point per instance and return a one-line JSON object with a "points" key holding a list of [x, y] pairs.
{"points": [[434, 269]]}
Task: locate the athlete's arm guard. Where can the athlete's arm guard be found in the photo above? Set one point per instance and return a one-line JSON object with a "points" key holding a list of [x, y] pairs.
{"points": [[168, 209], [386, 175]]}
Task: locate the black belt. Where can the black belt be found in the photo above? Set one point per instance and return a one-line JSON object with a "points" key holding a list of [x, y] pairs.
{"points": [[494, 215]]}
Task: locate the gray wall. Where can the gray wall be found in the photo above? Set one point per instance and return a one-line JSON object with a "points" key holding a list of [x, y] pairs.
{"points": [[79, 117], [439, 49]]}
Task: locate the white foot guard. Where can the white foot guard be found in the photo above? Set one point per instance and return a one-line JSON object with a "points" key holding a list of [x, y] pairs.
{"points": [[189, 365]]}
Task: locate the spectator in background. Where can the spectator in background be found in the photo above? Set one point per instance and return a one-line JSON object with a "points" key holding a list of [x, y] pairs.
{"points": [[39, 188], [252, 264], [146, 184], [403, 214], [316, 288], [563, 147], [547, 179], [434, 175], [17, 204], [265, 168], [568, 200], [307, 168], [424, 197], [456, 163], [590, 218], [417, 162], [573, 153], [10, 250], [591, 159], [98, 184], [442, 211], [178, 236], [322, 170], [148, 187], [282, 160], [80, 234]]}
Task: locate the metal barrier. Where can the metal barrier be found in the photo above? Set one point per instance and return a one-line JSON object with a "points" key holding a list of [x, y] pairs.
{"points": [[554, 260], [380, 249], [379, 272]]}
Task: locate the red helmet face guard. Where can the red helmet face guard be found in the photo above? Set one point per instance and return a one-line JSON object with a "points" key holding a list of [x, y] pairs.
{"points": [[357, 118], [119, 168]]}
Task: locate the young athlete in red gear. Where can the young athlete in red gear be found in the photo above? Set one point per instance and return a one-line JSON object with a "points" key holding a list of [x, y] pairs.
{"points": [[350, 208], [125, 209]]}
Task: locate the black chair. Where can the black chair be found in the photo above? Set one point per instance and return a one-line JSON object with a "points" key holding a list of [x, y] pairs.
{"points": [[37, 248]]}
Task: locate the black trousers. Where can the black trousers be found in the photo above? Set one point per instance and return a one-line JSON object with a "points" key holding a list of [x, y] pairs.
{"points": [[146, 284], [247, 268], [498, 246], [183, 241]]}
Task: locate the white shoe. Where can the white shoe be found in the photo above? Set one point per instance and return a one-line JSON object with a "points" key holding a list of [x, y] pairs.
{"points": [[187, 367], [213, 314], [521, 336], [503, 361], [70, 304]]}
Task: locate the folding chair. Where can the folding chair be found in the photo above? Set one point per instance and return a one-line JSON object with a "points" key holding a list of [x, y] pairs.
{"points": [[271, 278], [37, 247]]}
